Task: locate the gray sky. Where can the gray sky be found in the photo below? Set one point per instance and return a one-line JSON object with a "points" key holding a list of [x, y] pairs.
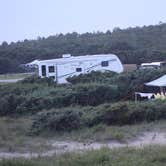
{"points": [[28, 19]]}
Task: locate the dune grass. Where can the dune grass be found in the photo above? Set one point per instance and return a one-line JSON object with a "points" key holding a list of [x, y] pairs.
{"points": [[149, 156], [103, 133], [15, 134]]}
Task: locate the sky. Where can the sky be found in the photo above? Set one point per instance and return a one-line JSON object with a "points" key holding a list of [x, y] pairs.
{"points": [[29, 19]]}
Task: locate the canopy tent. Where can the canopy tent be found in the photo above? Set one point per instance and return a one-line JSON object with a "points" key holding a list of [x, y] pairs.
{"points": [[160, 82]]}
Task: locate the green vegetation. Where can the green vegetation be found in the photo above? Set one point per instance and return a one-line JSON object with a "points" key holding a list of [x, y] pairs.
{"points": [[94, 76], [16, 134], [92, 100], [127, 83], [35, 111], [132, 45], [15, 137], [21, 98], [149, 156], [94, 107], [108, 114], [35, 94]]}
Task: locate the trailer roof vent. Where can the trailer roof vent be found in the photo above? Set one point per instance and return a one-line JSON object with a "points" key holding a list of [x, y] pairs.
{"points": [[66, 55]]}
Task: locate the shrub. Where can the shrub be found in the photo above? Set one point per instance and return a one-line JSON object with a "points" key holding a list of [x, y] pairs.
{"points": [[23, 98], [58, 120], [121, 113], [35, 79], [94, 94], [130, 82], [127, 82], [36, 94], [129, 113], [9, 104], [94, 76]]}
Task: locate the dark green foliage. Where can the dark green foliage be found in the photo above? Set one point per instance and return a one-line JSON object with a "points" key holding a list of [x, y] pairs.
{"points": [[132, 45], [126, 83], [130, 112], [94, 94], [35, 94], [38, 80], [24, 97], [121, 113], [9, 104], [8, 66], [58, 120], [94, 76]]}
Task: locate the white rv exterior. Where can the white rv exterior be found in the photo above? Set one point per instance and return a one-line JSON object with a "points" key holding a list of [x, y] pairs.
{"points": [[153, 65], [68, 66]]}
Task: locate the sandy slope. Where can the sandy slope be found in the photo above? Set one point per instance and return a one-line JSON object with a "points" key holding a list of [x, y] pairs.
{"points": [[148, 138]]}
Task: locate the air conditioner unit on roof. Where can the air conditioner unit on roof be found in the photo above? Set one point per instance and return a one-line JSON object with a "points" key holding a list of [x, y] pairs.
{"points": [[66, 55]]}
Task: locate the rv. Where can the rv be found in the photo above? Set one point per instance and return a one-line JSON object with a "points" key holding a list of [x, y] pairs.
{"points": [[68, 66], [153, 65]]}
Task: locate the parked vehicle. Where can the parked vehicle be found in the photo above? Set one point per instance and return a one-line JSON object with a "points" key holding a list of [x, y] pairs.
{"points": [[154, 65], [67, 66]]}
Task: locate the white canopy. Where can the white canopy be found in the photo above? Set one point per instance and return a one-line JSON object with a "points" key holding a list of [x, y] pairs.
{"points": [[160, 82]]}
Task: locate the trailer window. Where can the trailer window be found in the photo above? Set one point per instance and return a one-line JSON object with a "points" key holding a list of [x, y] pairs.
{"points": [[43, 67], [78, 69], [104, 63], [51, 69]]}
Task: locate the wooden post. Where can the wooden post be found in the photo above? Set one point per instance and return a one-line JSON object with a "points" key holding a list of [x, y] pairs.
{"points": [[56, 73], [161, 90], [135, 97]]}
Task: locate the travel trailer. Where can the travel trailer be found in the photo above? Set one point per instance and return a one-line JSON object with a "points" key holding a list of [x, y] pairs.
{"points": [[67, 66], [153, 65]]}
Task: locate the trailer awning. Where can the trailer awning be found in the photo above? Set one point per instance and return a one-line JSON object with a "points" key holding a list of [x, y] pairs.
{"points": [[160, 82]]}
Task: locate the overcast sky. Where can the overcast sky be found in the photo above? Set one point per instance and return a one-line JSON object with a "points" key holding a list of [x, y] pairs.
{"points": [[28, 19]]}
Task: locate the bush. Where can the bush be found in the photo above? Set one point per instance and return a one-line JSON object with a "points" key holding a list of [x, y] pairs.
{"points": [[121, 113], [94, 76], [36, 94], [94, 94], [115, 114], [23, 98], [58, 120], [35, 79], [130, 112], [130, 82], [9, 104], [127, 83]]}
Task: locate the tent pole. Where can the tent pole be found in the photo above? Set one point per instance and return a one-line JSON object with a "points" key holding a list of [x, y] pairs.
{"points": [[161, 90], [135, 97]]}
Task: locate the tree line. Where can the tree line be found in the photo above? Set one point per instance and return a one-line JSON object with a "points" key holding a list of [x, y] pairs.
{"points": [[132, 45]]}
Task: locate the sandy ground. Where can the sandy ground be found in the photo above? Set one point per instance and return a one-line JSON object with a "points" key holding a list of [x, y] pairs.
{"points": [[11, 80], [149, 138]]}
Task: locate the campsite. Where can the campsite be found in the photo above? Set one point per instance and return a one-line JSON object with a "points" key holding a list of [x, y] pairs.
{"points": [[96, 110], [83, 83]]}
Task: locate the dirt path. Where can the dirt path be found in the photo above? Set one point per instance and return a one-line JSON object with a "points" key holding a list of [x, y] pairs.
{"points": [[69, 146], [11, 80]]}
